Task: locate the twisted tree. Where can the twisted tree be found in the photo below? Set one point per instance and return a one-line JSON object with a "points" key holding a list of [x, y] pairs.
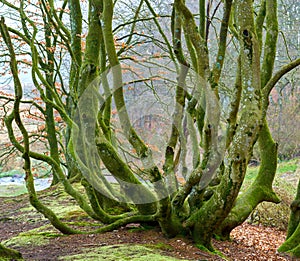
{"points": [[163, 110]]}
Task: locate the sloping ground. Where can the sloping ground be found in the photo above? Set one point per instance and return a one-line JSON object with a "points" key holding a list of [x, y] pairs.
{"points": [[23, 229]]}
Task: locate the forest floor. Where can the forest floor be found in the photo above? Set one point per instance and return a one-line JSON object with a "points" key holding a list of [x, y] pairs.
{"points": [[25, 230]]}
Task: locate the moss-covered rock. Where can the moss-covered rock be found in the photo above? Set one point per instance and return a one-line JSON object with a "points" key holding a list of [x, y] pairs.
{"points": [[273, 215]]}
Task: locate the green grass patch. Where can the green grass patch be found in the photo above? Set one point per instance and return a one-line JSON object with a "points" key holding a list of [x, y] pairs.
{"points": [[11, 173], [283, 168], [288, 166], [12, 190], [251, 173]]}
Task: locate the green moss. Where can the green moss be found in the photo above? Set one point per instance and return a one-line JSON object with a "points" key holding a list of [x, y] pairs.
{"points": [[117, 210], [215, 252], [84, 224], [23, 240], [161, 246], [220, 254], [295, 252], [75, 214], [275, 215], [62, 210], [271, 215], [35, 237], [203, 248], [136, 229], [120, 252]]}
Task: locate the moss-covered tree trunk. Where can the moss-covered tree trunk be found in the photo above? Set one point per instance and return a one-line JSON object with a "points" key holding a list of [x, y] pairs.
{"points": [[49, 113], [261, 189], [204, 222], [88, 74], [211, 215], [72, 98]]}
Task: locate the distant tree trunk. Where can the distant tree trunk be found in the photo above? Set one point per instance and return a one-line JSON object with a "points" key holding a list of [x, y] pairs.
{"points": [[9, 254]]}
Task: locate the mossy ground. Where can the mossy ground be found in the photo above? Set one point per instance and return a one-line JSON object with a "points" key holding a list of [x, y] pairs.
{"points": [[121, 253], [44, 236], [135, 242], [35, 237]]}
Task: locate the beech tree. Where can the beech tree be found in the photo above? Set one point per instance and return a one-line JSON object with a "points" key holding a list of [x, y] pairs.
{"points": [[178, 163]]}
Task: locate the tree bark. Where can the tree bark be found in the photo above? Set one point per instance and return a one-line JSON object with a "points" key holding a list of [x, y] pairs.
{"points": [[210, 216], [260, 190]]}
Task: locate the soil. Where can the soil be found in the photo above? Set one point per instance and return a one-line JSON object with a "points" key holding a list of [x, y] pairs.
{"points": [[249, 242]]}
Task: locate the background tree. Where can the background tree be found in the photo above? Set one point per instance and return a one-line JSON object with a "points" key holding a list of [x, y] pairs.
{"points": [[191, 182]]}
